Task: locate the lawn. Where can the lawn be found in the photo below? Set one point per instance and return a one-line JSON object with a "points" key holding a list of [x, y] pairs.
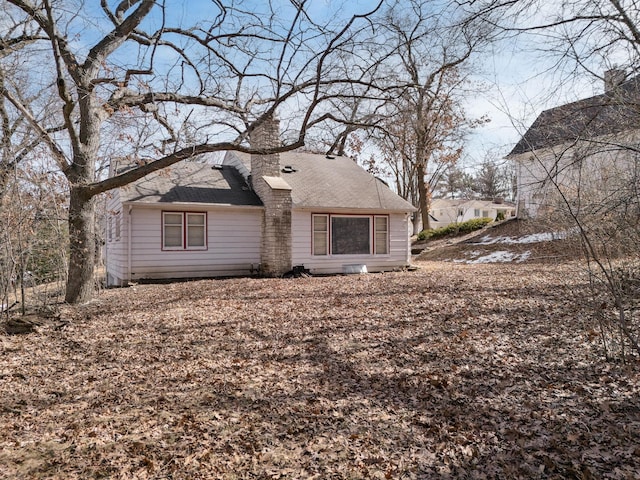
{"points": [[452, 371]]}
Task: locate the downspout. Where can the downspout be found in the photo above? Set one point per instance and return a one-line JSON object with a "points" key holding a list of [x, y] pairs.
{"points": [[129, 247], [407, 219], [106, 249]]}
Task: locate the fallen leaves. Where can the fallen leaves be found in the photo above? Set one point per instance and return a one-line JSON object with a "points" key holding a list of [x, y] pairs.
{"points": [[459, 371]]}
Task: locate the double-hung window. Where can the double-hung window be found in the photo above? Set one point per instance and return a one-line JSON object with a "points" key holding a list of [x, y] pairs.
{"points": [[350, 234], [184, 231], [381, 224]]}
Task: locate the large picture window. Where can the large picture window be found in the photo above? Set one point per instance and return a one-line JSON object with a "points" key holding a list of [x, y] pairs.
{"points": [[350, 234], [184, 231]]}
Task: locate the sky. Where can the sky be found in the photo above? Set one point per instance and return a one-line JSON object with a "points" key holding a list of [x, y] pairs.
{"points": [[518, 83]]}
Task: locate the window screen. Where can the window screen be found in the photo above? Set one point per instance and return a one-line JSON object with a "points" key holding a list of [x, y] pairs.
{"points": [[350, 235]]}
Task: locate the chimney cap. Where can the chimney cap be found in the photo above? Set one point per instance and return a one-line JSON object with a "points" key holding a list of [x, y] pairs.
{"points": [[613, 78]]}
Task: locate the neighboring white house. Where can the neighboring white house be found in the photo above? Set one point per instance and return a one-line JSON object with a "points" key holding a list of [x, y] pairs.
{"points": [[255, 214], [445, 211], [583, 151]]}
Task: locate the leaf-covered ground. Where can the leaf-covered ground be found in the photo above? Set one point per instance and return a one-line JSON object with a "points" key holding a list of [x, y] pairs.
{"points": [[453, 371]]}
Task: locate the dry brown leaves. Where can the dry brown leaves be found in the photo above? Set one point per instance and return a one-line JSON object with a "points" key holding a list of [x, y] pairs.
{"points": [[454, 371]]}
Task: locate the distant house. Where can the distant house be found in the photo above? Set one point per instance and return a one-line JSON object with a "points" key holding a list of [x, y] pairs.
{"points": [[581, 150], [446, 211], [255, 214]]}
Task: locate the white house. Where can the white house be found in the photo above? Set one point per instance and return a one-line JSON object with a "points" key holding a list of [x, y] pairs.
{"points": [[445, 211], [584, 151], [255, 214]]}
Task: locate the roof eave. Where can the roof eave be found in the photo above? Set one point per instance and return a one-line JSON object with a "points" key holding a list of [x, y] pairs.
{"points": [[191, 204]]}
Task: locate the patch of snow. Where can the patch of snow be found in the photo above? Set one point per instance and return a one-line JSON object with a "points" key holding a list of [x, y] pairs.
{"points": [[502, 256], [532, 238]]}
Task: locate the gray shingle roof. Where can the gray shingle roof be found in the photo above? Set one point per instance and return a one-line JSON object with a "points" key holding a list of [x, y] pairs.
{"points": [[318, 181], [609, 113], [337, 183], [192, 182]]}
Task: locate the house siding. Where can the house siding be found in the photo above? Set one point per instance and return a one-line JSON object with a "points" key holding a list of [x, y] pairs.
{"points": [[589, 170], [447, 213], [115, 250], [399, 250], [233, 246]]}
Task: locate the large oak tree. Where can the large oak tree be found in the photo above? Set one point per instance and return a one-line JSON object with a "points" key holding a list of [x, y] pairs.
{"points": [[149, 83]]}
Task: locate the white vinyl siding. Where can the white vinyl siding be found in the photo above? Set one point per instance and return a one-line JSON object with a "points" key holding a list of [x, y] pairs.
{"points": [[232, 245], [115, 251]]}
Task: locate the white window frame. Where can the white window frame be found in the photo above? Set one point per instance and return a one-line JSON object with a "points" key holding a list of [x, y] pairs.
{"points": [[476, 212], [109, 228], [185, 229]]}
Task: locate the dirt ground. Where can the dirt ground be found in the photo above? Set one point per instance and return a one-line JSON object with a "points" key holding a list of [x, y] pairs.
{"points": [[452, 371], [513, 241]]}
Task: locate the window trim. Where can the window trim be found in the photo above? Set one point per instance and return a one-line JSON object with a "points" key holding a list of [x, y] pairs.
{"points": [[372, 235], [184, 245]]}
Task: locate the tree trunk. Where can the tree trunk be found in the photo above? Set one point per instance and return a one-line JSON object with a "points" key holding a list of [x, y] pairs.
{"points": [[82, 247], [423, 196]]}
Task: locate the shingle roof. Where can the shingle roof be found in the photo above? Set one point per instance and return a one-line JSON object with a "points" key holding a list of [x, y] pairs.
{"points": [[192, 182], [334, 183], [609, 113]]}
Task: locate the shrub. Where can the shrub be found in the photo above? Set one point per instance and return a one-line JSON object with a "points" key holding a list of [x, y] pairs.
{"points": [[454, 229]]}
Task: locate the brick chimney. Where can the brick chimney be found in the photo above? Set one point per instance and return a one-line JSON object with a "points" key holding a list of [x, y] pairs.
{"points": [[613, 78], [275, 193]]}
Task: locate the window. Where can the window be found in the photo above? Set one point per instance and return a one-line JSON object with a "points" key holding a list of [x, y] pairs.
{"points": [[350, 235], [195, 230], [382, 235], [460, 212], [320, 235], [476, 212], [485, 213], [118, 228], [183, 231], [109, 228]]}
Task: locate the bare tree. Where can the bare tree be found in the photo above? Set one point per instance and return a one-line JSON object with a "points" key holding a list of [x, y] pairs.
{"points": [[423, 127], [455, 183], [137, 83], [586, 158]]}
